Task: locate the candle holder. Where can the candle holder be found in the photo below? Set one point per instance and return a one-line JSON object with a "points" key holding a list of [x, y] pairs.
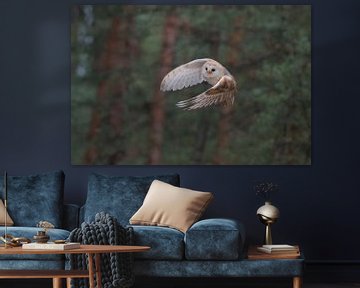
{"points": [[41, 237]]}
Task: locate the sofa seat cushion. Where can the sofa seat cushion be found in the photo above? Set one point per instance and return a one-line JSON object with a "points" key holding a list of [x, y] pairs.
{"points": [[166, 243], [214, 239], [120, 196], [29, 232]]}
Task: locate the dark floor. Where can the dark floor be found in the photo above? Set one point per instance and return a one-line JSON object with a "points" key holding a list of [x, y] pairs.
{"points": [[253, 283], [332, 285]]}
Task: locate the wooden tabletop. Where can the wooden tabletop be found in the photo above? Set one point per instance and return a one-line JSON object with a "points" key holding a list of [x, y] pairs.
{"points": [[92, 249], [254, 254]]}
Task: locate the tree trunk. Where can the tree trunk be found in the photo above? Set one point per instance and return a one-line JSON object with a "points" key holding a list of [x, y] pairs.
{"points": [[204, 116], [201, 137], [223, 135], [107, 118], [158, 103], [224, 125]]}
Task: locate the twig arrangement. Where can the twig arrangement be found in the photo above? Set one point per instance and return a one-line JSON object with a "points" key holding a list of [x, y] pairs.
{"points": [[264, 189]]}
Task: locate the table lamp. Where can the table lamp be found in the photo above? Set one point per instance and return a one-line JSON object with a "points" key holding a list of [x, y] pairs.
{"points": [[268, 214], [5, 205]]}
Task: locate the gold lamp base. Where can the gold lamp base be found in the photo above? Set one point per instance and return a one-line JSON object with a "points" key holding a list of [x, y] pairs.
{"points": [[268, 238]]}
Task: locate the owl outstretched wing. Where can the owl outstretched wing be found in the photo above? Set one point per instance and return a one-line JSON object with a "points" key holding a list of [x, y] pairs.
{"points": [[186, 75], [222, 93]]}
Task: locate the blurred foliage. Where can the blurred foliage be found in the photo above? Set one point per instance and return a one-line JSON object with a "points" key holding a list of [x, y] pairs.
{"points": [[266, 48]]}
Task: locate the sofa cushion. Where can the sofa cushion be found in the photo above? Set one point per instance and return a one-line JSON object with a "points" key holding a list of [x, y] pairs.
{"points": [[214, 239], [35, 198], [29, 232], [170, 206], [119, 196], [39, 264], [165, 243], [9, 221]]}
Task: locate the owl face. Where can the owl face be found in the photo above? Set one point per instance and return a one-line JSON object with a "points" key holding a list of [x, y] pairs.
{"points": [[212, 72]]}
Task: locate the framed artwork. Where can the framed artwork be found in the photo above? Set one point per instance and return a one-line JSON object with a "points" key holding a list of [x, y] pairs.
{"points": [[256, 111]]}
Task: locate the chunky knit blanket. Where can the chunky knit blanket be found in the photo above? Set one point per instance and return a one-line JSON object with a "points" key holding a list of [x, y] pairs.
{"points": [[116, 268]]}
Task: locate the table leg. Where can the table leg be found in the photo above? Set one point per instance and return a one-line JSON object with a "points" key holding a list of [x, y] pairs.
{"points": [[297, 282], [68, 282], [57, 283], [98, 270], [91, 270]]}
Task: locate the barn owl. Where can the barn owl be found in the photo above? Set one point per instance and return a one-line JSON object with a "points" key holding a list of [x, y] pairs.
{"points": [[197, 71]]}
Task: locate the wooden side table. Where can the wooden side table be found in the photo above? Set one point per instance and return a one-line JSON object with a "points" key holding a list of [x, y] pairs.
{"points": [[93, 251], [254, 254]]}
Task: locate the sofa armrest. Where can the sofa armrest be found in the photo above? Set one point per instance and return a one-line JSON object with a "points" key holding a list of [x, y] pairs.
{"points": [[215, 239], [71, 216]]}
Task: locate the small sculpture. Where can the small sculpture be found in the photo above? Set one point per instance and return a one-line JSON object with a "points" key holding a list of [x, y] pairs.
{"points": [[46, 225], [12, 241], [41, 236]]}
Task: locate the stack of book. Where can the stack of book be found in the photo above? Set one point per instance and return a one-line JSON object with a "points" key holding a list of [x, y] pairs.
{"points": [[51, 246], [278, 249], [282, 251]]}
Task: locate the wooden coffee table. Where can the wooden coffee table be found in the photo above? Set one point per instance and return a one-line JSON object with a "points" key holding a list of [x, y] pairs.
{"points": [[92, 251]]}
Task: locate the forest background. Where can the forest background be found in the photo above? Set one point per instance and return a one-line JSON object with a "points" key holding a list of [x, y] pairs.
{"points": [[120, 53]]}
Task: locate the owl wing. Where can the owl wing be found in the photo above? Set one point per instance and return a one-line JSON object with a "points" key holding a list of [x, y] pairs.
{"points": [[222, 93], [186, 75]]}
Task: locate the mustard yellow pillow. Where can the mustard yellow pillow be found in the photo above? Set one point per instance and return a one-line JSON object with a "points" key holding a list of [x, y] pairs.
{"points": [[9, 221], [170, 206]]}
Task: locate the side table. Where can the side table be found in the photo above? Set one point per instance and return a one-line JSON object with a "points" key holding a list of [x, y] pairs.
{"points": [[288, 259], [93, 251]]}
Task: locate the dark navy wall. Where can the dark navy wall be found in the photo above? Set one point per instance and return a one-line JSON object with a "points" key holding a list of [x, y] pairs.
{"points": [[318, 203]]}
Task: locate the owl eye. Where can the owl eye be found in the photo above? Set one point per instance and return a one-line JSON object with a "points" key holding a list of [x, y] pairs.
{"points": [[213, 69]]}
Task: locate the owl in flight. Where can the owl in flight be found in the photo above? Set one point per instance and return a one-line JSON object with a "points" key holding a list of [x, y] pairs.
{"points": [[197, 71]]}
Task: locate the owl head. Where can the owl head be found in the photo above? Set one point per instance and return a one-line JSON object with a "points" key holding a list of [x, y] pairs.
{"points": [[212, 72]]}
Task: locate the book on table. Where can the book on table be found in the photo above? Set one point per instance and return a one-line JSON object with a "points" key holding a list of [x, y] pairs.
{"points": [[51, 246], [278, 249], [254, 253]]}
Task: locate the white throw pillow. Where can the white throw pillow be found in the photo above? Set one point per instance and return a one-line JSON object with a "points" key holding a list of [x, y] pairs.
{"points": [[170, 206]]}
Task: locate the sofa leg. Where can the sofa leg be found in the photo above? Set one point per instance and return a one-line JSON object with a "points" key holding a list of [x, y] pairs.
{"points": [[297, 282], [57, 283]]}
